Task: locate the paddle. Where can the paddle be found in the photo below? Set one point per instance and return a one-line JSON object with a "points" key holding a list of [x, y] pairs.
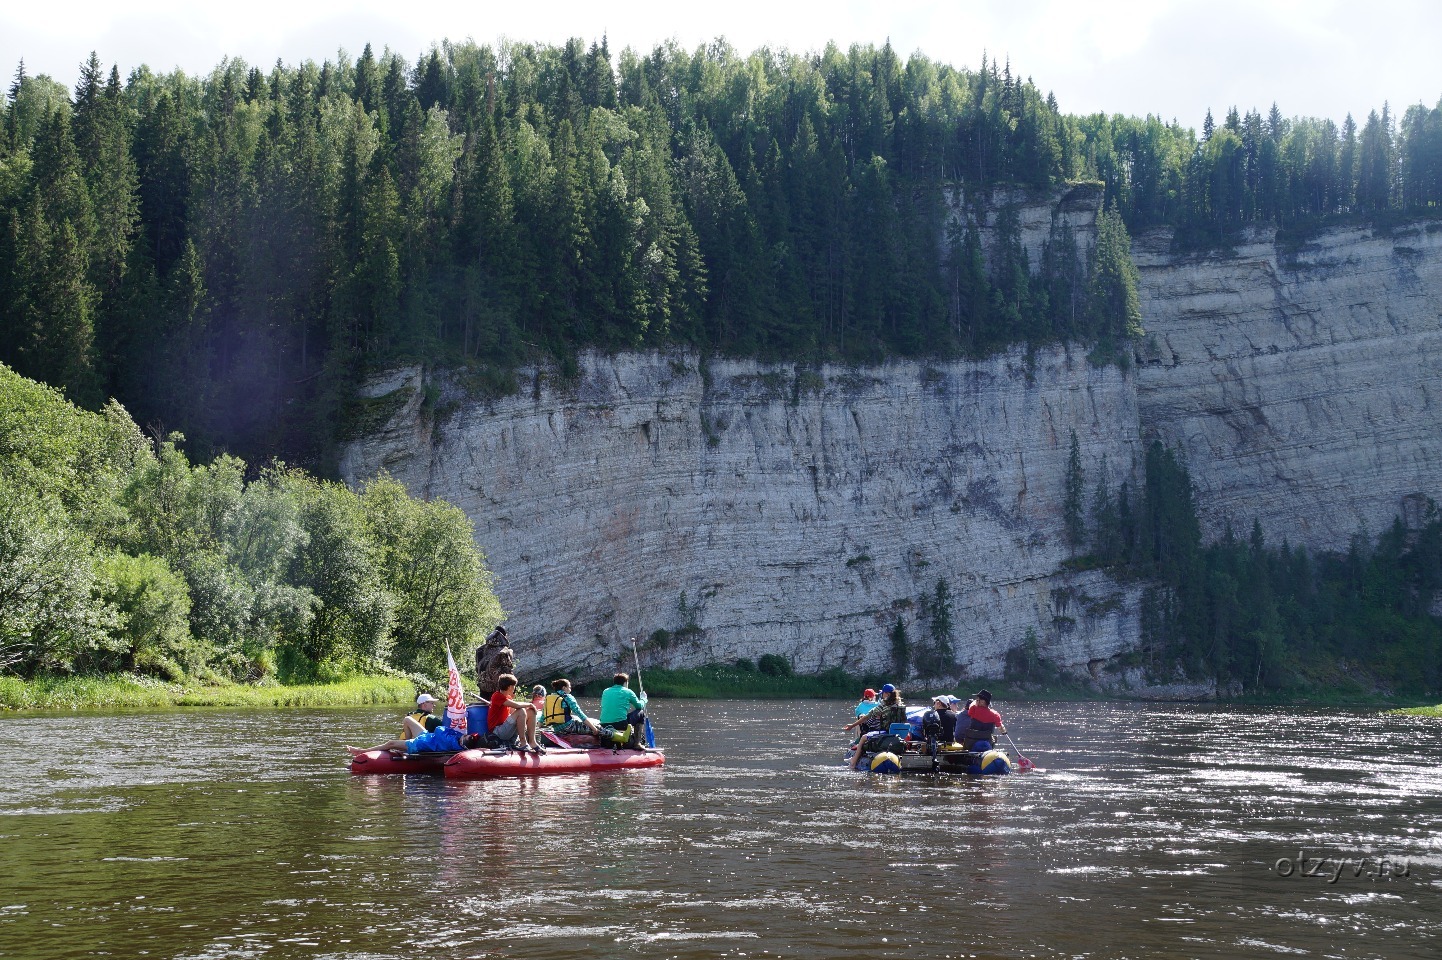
{"points": [[650, 734], [1022, 763]]}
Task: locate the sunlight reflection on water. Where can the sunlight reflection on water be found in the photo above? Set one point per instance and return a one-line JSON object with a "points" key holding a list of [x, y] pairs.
{"points": [[1152, 830]]}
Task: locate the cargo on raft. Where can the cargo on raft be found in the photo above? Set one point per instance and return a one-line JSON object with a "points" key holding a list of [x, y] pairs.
{"points": [[917, 758], [904, 748]]}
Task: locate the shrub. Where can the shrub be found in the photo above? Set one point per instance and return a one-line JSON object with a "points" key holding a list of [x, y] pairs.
{"points": [[152, 603], [49, 614], [774, 665]]}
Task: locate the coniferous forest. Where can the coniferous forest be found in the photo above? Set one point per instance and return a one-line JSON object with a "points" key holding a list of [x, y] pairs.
{"points": [[228, 255]]}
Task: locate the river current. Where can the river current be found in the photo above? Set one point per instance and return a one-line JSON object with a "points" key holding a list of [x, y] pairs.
{"points": [[1148, 831]]}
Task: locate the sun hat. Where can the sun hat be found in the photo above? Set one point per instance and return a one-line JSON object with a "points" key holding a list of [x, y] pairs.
{"points": [[982, 695]]}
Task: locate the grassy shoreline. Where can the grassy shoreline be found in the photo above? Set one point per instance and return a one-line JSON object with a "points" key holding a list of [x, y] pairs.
{"points": [[714, 682], [53, 694]]}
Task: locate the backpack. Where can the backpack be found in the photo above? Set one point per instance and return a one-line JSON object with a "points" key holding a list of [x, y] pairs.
{"points": [[930, 725], [886, 743]]}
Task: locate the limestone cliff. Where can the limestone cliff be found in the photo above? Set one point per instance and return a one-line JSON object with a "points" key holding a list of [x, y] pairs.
{"points": [[1298, 381], [747, 509], [744, 508]]}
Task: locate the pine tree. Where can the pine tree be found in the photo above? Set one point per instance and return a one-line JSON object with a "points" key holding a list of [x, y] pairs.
{"points": [[1114, 305], [1072, 521]]}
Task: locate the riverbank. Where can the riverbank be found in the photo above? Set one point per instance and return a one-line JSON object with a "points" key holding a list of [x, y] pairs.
{"points": [[719, 681], [729, 681], [1434, 711], [722, 681], [51, 694]]}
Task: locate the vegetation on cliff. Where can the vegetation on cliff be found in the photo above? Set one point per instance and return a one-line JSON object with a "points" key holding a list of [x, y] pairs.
{"points": [[1261, 618], [227, 254], [117, 555]]}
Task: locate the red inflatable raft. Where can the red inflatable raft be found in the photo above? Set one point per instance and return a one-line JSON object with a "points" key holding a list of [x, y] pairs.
{"points": [[480, 764], [381, 761]]}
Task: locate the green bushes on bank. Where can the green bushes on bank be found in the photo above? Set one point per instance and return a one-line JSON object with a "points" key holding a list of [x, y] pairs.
{"points": [[118, 554], [1262, 619]]}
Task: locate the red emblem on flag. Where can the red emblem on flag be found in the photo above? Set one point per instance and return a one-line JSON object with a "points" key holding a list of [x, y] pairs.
{"points": [[455, 699]]}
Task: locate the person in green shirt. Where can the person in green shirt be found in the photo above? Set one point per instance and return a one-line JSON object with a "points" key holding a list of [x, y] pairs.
{"points": [[564, 715], [621, 708]]}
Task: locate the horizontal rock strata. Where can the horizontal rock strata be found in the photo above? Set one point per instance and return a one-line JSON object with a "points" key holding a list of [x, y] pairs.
{"points": [[748, 509], [1298, 383]]}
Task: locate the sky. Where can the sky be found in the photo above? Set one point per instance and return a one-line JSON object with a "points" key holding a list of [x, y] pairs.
{"points": [[1172, 58]]}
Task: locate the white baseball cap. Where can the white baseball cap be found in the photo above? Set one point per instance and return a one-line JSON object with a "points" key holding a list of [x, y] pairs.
{"points": [[424, 699]]}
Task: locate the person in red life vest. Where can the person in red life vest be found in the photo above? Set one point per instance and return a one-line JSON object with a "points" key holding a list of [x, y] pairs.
{"points": [[984, 722], [510, 718]]}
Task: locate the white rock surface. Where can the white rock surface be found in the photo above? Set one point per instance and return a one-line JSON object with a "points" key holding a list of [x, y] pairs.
{"points": [[1298, 385], [798, 511], [803, 511]]}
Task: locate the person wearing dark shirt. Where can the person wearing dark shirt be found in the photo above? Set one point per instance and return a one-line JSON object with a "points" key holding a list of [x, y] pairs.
{"points": [[938, 724]]}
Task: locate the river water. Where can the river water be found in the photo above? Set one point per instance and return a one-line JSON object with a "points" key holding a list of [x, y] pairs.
{"points": [[1149, 831]]}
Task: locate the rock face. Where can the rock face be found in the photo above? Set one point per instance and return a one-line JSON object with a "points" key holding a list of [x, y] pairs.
{"points": [[746, 509], [1299, 383], [742, 509]]}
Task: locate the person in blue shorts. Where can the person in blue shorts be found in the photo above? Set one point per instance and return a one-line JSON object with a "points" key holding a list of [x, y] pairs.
{"points": [[441, 739]]}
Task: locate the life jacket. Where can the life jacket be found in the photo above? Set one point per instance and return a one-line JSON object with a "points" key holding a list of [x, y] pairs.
{"points": [[428, 721], [980, 726], [555, 712], [887, 715], [977, 730]]}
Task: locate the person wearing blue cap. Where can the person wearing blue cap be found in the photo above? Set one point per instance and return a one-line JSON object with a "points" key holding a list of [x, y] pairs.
{"points": [[879, 720]]}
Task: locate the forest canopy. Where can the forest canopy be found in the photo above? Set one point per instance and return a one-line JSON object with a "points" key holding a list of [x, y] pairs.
{"points": [[228, 254]]}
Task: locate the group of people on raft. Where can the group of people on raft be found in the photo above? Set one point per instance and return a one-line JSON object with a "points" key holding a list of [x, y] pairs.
{"points": [[944, 724], [512, 723]]}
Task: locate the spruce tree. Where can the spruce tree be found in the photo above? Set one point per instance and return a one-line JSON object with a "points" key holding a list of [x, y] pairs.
{"points": [[1072, 521]]}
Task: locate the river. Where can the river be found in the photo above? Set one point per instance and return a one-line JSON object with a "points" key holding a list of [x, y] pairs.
{"points": [[1149, 831]]}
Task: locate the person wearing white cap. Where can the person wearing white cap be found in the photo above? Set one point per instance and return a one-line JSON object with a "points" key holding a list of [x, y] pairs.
{"points": [[422, 719], [938, 725]]}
